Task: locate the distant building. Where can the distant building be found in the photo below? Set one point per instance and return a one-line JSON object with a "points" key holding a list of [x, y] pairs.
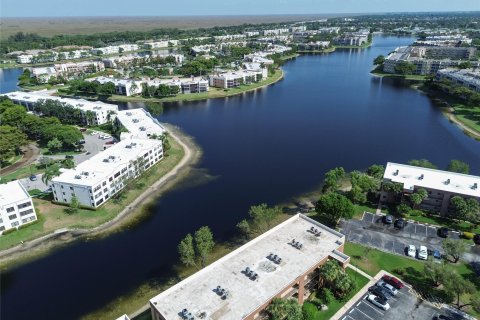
{"points": [[469, 78], [102, 111], [441, 186], [251, 33], [16, 206], [124, 87], [351, 39], [273, 32], [428, 60], [283, 262], [94, 181], [76, 68], [160, 44], [234, 79]]}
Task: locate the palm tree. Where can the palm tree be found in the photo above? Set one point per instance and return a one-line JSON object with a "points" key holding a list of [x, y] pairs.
{"points": [[329, 272], [50, 173], [90, 116]]}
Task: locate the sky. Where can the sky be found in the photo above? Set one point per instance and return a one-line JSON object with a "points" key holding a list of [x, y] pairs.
{"points": [[50, 8]]}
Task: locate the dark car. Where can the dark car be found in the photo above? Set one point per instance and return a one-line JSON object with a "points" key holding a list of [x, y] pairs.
{"points": [[476, 239], [33, 177], [380, 292], [393, 281], [399, 223], [442, 317], [388, 219], [443, 232]]}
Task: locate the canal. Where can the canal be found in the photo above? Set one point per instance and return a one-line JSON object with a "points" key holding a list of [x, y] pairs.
{"points": [[264, 146]]}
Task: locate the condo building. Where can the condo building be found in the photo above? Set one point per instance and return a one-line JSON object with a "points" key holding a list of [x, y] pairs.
{"points": [[281, 263], [440, 185], [96, 180], [16, 206], [469, 78], [102, 111], [234, 79], [139, 124]]}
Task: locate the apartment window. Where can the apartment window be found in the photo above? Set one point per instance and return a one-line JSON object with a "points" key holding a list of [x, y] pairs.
{"points": [[1, 220], [16, 223], [2, 228], [99, 202], [104, 183], [105, 190], [11, 209], [71, 188], [110, 179], [24, 213], [24, 205], [124, 169], [13, 216], [116, 174], [97, 188]]}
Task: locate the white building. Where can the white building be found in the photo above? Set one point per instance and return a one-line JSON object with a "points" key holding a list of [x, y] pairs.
{"points": [[16, 206], [469, 78], [75, 68], [97, 179], [139, 123], [273, 32], [101, 110], [43, 74], [440, 185], [123, 87], [115, 49], [232, 79], [251, 33]]}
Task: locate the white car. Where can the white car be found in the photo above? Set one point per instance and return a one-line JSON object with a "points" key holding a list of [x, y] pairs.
{"points": [[391, 289], [379, 302], [422, 253], [412, 251]]}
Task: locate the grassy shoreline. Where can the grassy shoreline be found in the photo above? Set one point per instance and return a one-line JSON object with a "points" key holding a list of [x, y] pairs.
{"points": [[108, 219]]}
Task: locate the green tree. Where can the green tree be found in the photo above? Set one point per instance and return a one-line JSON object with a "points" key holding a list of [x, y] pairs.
{"points": [[343, 285], [332, 179], [422, 163], [186, 250], [464, 65], [244, 228], [405, 67], [458, 166], [262, 216], [376, 171], [418, 196], [458, 286], [68, 163], [329, 272], [54, 145], [11, 139], [74, 205], [285, 309], [454, 248], [468, 209], [334, 206], [379, 60], [203, 244], [437, 273], [51, 172]]}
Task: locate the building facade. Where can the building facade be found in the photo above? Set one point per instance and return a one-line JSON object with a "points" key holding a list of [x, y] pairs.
{"points": [[94, 181], [281, 263], [468, 78], [16, 206], [441, 186]]}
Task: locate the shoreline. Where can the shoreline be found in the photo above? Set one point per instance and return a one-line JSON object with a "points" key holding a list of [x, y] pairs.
{"points": [[215, 94], [132, 212]]}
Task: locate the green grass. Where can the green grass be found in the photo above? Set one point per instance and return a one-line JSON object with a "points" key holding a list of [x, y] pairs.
{"points": [[414, 77], [33, 231], [46, 151], [363, 46], [449, 223], [21, 173], [372, 261], [360, 282], [470, 117]]}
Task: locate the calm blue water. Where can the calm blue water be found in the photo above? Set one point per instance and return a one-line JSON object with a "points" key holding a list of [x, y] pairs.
{"points": [[9, 79], [265, 146]]}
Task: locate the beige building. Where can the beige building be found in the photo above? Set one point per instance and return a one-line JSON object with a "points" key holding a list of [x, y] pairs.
{"points": [[281, 263]]}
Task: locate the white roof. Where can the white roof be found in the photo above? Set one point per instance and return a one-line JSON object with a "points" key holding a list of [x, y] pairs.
{"points": [[102, 165], [196, 293], [140, 123], [12, 192], [82, 104], [411, 176]]}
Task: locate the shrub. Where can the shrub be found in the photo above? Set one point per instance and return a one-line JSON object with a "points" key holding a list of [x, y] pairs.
{"points": [[415, 213], [26, 225], [9, 231], [309, 311], [403, 209], [326, 296], [468, 235], [401, 272]]}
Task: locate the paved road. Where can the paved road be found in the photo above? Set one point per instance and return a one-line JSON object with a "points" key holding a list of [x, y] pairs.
{"points": [[373, 232], [31, 153]]}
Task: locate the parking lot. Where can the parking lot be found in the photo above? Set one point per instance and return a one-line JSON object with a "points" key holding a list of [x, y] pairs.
{"points": [[405, 305], [372, 231]]}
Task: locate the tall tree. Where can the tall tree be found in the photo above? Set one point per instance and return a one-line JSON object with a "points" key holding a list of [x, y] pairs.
{"points": [[204, 243], [334, 206], [376, 171], [285, 309], [186, 251], [458, 286], [454, 248], [422, 163], [11, 139], [418, 196], [244, 228], [332, 179], [262, 216], [50, 173], [458, 166]]}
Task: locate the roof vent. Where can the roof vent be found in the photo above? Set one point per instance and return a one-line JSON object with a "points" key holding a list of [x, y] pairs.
{"points": [[395, 173], [296, 244], [252, 275], [448, 181], [274, 258], [421, 177], [78, 176], [475, 186]]}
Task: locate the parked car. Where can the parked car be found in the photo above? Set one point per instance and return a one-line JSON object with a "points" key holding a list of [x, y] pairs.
{"points": [[68, 156], [412, 251], [380, 292], [393, 281], [399, 223], [443, 232], [390, 289], [476, 239], [422, 253], [379, 302], [33, 177], [81, 141], [83, 129], [388, 219]]}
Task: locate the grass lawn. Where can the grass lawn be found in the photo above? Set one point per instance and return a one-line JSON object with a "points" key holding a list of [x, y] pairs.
{"points": [[470, 117], [372, 261], [449, 223], [45, 151], [360, 282], [53, 216], [22, 173]]}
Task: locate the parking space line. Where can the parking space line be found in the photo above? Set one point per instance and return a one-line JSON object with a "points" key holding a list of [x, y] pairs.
{"points": [[374, 308], [359, 302], [373, 218], [366, 315]]}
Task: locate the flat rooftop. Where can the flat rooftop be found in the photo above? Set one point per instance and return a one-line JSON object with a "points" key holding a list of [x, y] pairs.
{"points": [[97, 168], [139, 123], [34, 97], [196, 293], [12, 192], [411, 176]]}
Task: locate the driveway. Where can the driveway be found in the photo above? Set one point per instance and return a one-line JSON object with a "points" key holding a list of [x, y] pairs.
{"points": [[371, 231]]}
